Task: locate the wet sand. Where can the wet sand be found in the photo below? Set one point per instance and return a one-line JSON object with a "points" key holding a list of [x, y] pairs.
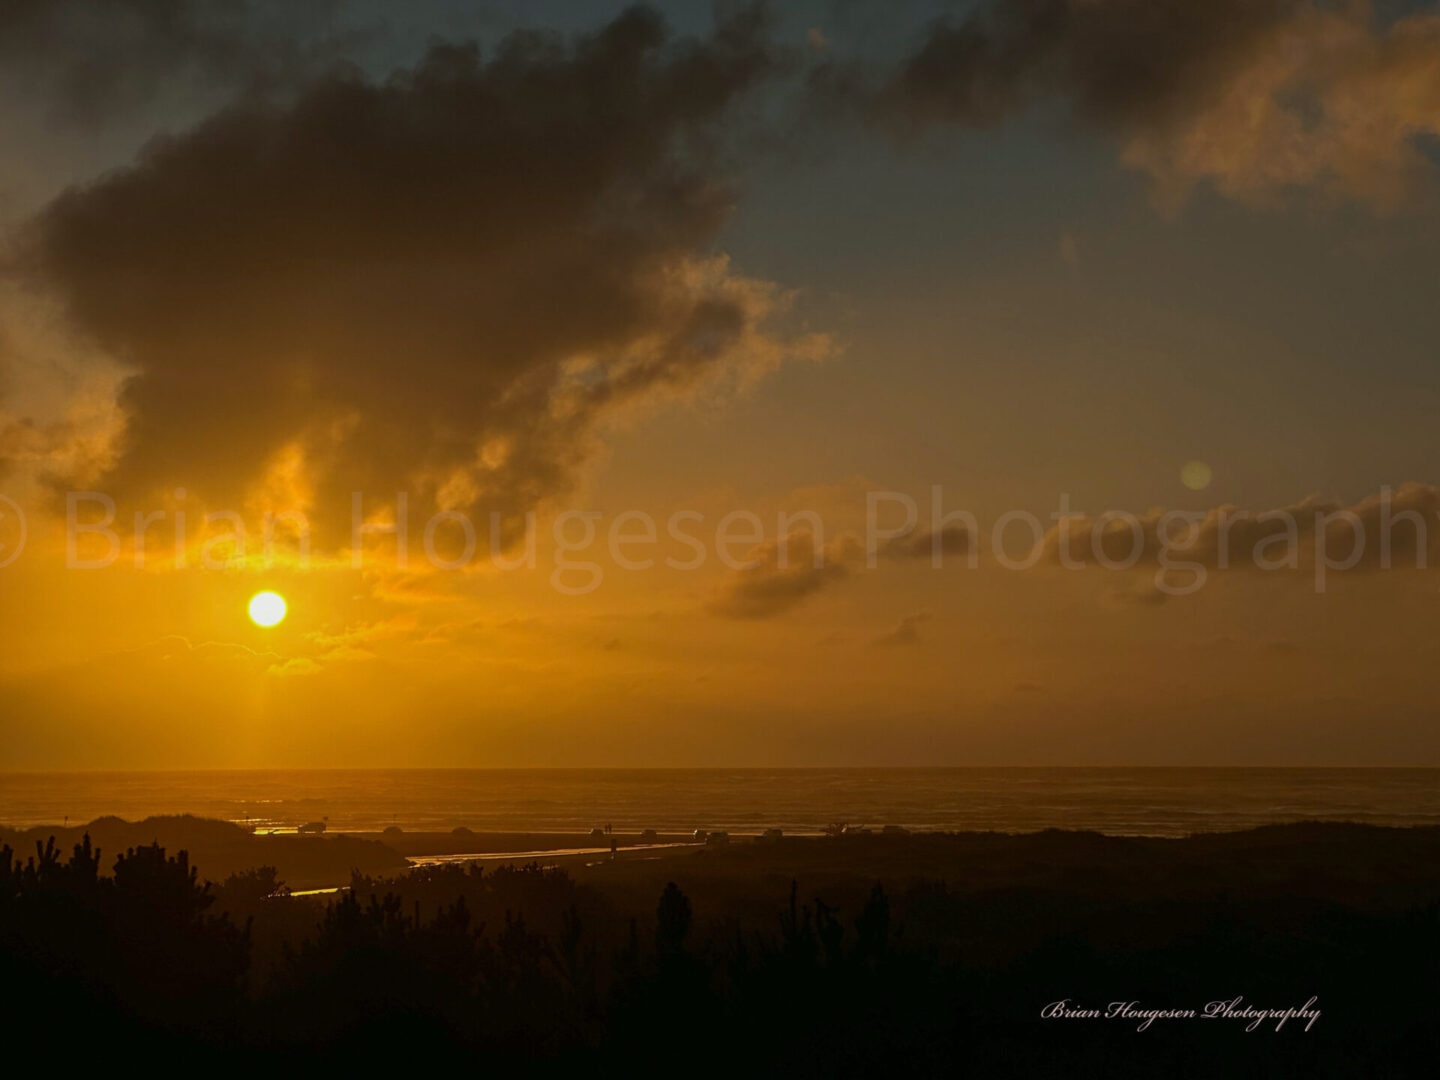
{"points": [[430, 845], [312, 863]]}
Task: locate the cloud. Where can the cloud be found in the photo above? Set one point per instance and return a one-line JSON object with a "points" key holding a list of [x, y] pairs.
{"points": [[295, 667], [926, 544], [1396, 529], [443, 283], [91, 61], [785, 573], [906, 632], [57, 395], [1119, 62], [1254, 97]]}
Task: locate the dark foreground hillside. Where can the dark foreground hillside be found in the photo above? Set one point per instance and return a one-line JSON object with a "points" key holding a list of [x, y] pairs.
{"points": [[869, 955]]}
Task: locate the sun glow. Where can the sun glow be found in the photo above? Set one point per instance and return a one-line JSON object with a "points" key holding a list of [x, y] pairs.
{"points": [[267, 608]]}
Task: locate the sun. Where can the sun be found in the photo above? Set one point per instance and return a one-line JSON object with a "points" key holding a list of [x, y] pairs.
{"points": [[267, 608]]}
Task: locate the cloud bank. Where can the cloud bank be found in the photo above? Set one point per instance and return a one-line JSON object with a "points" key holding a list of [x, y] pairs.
{"points": [[441, 283], [1394, 530], [1256, 98]]}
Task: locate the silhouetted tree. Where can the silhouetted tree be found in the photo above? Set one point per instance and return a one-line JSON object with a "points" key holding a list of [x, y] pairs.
{"points": [[872, 926], [672, 922]]}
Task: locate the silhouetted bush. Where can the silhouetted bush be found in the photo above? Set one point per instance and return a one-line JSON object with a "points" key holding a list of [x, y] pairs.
{"points": [[524, 964]]}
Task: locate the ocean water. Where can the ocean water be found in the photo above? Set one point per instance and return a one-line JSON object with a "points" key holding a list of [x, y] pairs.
{"points": [[1149, 801]]}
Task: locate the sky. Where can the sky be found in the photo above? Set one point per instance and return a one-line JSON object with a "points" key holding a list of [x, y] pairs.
{"points": [[897, 340]]}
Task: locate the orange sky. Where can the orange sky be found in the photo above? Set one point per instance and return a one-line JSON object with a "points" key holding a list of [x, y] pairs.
{"points": [[731, 280]]}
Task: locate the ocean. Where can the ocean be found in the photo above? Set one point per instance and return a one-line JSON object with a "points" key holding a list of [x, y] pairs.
{"points": [[1144, 801]]}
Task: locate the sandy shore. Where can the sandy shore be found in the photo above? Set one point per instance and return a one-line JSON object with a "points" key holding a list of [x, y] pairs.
{"points": [[420, 845], [323, 862]]}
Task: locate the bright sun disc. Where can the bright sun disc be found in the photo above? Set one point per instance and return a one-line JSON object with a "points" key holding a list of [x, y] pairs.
{"points": [[267, 608]]}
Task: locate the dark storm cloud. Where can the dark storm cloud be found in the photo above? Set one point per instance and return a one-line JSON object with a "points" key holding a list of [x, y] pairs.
{"points": [[439, 283], [1120, 62], [1255, 97]]}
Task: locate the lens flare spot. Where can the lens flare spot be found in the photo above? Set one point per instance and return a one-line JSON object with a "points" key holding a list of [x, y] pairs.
{"points": [[1196, 475]]}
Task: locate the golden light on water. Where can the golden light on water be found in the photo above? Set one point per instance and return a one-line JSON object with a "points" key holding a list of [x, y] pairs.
{"points": [[267, 608]]}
